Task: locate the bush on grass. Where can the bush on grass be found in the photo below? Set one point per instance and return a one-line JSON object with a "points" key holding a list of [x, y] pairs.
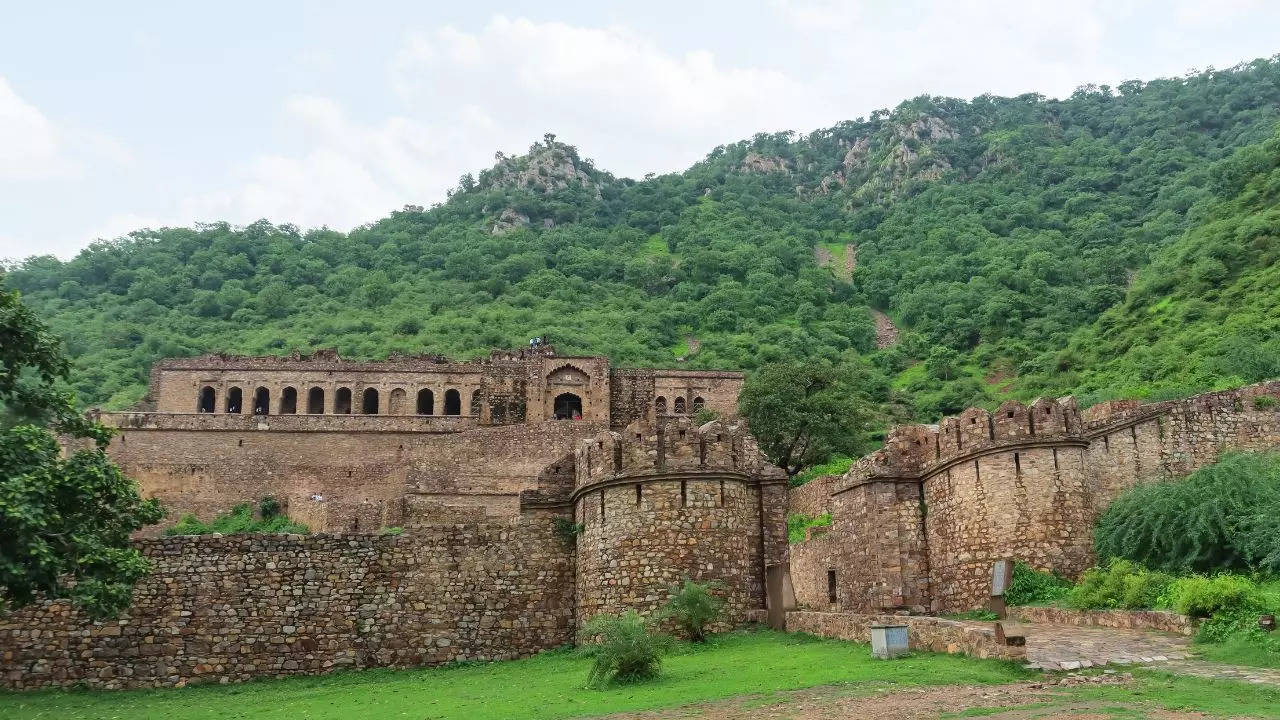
{"points": [[624, 649], [1121, 584], [1033, 587], [693, 607]]}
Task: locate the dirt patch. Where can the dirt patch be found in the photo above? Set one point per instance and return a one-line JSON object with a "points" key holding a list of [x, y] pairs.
{"points": [[1023, 701]]}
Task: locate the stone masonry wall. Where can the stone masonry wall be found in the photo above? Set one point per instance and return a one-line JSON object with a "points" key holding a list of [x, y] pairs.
{"points": [[1025, 482], [228, 609]]}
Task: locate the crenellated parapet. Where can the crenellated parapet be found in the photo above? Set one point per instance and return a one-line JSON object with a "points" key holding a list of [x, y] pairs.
{"points": [[913, 452], [671, 445]]}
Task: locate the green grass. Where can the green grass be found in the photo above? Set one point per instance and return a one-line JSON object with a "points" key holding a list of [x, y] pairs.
{"points": [[1247, 650], [656, 246], [1219, 698], [546, 686]]}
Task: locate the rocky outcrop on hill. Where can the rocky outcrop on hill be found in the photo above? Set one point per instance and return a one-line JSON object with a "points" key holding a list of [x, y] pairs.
{"points": [[754, 162]]}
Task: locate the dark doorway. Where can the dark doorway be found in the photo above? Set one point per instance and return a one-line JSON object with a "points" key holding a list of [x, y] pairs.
{"points": [[660, 406], [234, 400], [207, 402], [342, 402], [288, 401], [568, 407], [452, 402], [426, 402], [262, 401], [315, 401], [679, 408], [369, 402]]}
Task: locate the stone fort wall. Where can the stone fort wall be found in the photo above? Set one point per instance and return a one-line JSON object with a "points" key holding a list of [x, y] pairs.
{"points": [[918, 523], [661, 503], [228, 609]]}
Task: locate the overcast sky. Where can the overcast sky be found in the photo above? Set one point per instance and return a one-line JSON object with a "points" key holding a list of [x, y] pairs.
{"points": [[116, 116]]}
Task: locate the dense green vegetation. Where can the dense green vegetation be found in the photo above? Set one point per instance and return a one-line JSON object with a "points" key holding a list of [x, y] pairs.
{"points": [[1224, 516], [66, 513], [1120, 240], [242, 519]]}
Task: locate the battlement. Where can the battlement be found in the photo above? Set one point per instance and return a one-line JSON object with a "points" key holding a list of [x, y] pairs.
{"points": [[669, 445], [912, 451]]}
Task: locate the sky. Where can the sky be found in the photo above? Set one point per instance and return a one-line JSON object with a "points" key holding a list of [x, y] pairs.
{"points": [[120, 116]]}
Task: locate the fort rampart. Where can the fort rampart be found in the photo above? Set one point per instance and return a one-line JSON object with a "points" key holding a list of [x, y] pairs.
{"points": [[918, 523], [228, 609]]}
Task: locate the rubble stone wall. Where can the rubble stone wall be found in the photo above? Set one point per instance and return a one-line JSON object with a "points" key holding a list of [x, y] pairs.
{"points": [[1024, 482], [233, 608]]}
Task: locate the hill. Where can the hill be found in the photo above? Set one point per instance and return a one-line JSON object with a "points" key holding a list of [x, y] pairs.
{"points": [[1001, 235]]}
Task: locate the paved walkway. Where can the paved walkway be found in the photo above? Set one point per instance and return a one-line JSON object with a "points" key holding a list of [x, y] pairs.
{"points": [[1063, 647]]}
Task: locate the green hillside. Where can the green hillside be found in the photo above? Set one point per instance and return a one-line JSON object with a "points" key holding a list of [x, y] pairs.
{"points": [[1000, 234]]}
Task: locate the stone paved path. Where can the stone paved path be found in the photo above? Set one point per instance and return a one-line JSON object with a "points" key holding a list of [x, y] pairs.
{"points": [[1062, 647]]}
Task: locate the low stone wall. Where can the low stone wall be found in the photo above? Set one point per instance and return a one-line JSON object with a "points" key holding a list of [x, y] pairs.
{"points": [[234, 608], [1127, 619], [923, 633]]}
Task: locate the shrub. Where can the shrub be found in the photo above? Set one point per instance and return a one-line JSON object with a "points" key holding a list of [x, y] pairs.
{"points": [[1200, 596], [838, 465], [1221, 517], [1264, 402], [568, 530], [798, 523], [694, 607], [1033, 587], [391, 530], [1121, 584], [238, 520], [623, 647], [268, 507]]}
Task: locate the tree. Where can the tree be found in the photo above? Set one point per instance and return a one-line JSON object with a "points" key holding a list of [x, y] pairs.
{"points": [[64, 521], [803, 412]]}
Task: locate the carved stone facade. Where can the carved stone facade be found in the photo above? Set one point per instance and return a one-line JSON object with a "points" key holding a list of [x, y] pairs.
{"points": [[917, 524]]}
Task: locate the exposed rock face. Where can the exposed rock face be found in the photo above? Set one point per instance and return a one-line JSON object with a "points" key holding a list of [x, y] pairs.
{"points": [[548, 167], [509, 220], [754, 162], [856, 158]]}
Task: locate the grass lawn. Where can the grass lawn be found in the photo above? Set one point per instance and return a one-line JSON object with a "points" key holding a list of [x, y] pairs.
{"points": [[547, 686]]}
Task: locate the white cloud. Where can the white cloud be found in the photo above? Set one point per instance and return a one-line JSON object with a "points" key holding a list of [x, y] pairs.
{"points": [[29, 145]]}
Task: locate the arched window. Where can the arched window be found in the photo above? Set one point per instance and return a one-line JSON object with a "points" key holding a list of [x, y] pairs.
{"points": [[568, 407], [369, 401], [679, 406], [315, 401], [660, 405], [475, 403], [288, 401], [234, 400], [698, 404], [208, 401], [426, 402], [452, 402], [342, 402], [262, 401]]}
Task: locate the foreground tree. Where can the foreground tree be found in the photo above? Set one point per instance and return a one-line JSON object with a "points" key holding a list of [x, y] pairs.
{"points": [[804, 412], [65, 522]]}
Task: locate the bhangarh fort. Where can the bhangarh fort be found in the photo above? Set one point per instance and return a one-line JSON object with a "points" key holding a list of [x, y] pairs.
{"points": [[536, 491]]}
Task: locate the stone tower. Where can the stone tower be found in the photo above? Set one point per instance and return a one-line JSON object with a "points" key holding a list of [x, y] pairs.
{"points": [[659, 502]]}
